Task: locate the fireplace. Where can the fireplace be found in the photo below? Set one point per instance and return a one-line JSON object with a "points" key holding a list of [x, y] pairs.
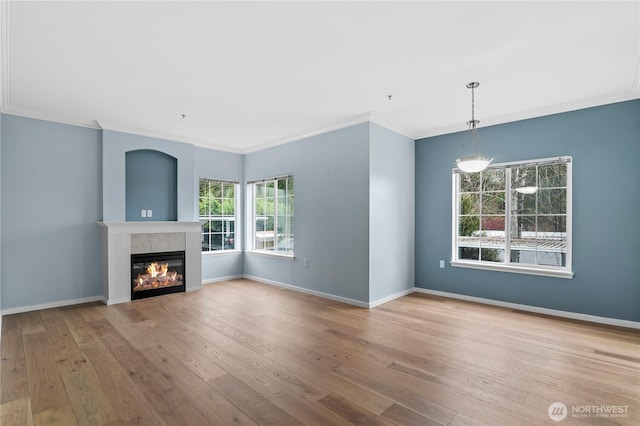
{"points": [[154, 274]]}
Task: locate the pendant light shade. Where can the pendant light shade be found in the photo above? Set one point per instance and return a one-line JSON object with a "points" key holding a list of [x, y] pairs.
{"points": [[473, 164], [476, 162]]}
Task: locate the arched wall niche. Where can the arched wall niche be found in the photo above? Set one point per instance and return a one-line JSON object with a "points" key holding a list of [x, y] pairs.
{"points": [[151, 186]]}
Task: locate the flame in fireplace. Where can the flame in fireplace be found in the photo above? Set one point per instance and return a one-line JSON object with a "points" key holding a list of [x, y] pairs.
{"points": [[158, 275], [157, 270]]}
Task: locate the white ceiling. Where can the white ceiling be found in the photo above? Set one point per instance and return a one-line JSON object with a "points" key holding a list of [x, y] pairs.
{"points": [[249, 75]]}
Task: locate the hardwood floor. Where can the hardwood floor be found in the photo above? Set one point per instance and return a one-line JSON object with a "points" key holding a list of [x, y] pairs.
{"points": [[245, 353]]}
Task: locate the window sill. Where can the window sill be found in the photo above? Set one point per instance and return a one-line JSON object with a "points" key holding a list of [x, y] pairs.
{"points": [[271, 254], [514, 269], [220, 252]]}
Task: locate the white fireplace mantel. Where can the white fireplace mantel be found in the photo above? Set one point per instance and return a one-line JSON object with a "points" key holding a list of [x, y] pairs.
{"points": [[117, 249]]}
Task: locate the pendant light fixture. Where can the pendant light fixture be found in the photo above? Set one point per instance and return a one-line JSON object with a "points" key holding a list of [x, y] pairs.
{"points": [[476, 162]]}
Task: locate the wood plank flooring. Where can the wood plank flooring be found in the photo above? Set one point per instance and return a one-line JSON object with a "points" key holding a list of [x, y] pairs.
{"points": [[244, 353]]}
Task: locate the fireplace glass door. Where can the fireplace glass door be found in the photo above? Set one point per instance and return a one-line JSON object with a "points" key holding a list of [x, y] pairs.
{"points": [[154, 274]]}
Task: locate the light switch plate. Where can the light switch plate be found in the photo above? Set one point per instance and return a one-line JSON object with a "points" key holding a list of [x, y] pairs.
{"points": [[149, 213], [143, 213]]}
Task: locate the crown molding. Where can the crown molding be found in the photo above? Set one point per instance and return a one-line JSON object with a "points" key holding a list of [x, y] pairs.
{"points": [[38, 115], [537, 112], [106, 125], [314, 131], [401, 130]]}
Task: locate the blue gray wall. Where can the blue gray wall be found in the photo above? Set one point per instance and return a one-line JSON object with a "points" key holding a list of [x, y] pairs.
{"points": [[51, 197], [605, 145], [214, 164], [151, 184], [391, 213], [51, 200], [331, 173]]}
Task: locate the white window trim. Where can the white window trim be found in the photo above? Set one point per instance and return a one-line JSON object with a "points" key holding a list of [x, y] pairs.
{"points": [[237, 228], [251, 223], [548, 271]]}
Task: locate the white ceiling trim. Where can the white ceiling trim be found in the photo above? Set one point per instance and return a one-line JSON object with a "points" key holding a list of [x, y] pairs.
{"points": [[343, 123], [105, 125], [314, 131], [535, 113]]}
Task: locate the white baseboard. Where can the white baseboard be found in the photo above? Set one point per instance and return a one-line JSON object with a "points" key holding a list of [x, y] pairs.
{"points": [[527, 308], [354, 302], [52, 305], [534, 309], [116, 301], [391, 297], [220, 279]]}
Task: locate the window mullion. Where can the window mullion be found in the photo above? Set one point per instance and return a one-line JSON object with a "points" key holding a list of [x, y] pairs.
{"points": [[507, 213], [275, 215]]}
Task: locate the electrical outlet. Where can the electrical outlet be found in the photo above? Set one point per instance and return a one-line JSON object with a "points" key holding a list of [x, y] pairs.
{"points": [[442, 263], [149, 213], [143, 213], [305, 262]]}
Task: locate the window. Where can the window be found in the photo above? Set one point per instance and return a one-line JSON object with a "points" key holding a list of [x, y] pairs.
{"points": [[218, 209], [272, 215], [514, 217]]}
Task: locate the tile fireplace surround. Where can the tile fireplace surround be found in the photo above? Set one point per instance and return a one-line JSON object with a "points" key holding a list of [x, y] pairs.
{"points": [[121, 239]]}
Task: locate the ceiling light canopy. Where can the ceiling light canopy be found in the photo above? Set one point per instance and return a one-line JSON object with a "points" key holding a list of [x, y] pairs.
{"points": [[477, 161]]}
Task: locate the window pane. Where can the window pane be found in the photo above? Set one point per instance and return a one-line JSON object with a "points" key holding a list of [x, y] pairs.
{"points": [[268, 189], [552, 201], [468, 253], [216, 225], [493, 223], [215, 189], [536, 223], [229, 241], [470, 203], [492, 255], [229, 190], [216, 241], [523, 177], [551, 258], [205, 242], [523, 203], [228, 207], [493, 180], [282, 222], [552, 176], [274, 232], [216, 207], [469, 182], [523, 256], [204, 187], [204, 206], [552, 225], [468, 225], [493, 203], [282, 187]]}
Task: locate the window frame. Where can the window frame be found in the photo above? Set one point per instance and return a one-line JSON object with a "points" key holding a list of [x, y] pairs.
{"points": [[508, 266], [251, 217], [237, 234]]}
